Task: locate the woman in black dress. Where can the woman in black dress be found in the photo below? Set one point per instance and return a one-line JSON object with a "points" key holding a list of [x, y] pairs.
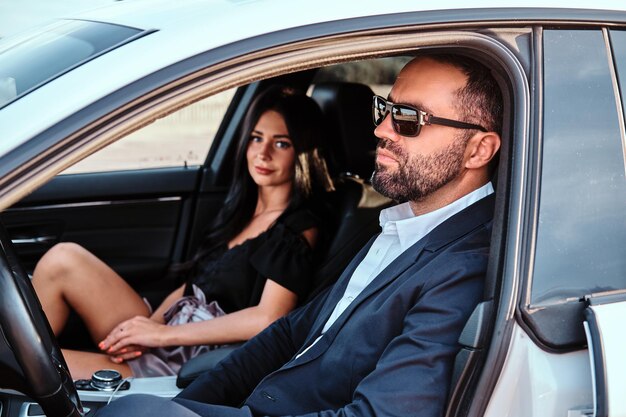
{"points": [[253, 267]]}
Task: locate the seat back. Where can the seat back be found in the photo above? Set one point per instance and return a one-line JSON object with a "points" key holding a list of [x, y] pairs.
{"points": [[352, 146], [348, 112], [357, 208]]}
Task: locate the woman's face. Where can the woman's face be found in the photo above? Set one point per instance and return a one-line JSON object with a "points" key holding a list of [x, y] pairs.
{"points": [[271, 157]]}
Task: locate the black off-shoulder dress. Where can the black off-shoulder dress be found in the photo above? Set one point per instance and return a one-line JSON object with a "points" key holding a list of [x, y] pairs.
{"points": [[229, 280]]}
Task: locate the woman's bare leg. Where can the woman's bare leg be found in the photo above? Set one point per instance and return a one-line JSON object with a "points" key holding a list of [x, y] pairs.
{"points": [[83, 364], [70, 277]]}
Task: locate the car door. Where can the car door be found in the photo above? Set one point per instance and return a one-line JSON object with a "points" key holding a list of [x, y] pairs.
{"points": [[605, 312], [135, 203], [575, 243]]}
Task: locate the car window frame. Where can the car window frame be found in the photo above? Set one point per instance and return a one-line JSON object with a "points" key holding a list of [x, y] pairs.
{"points": [[544, 324], [61, 135], [200, 76]]}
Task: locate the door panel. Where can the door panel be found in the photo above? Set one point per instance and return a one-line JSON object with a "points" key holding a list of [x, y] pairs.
{"points": [[580, 233], [122, 233], [130, 219]]}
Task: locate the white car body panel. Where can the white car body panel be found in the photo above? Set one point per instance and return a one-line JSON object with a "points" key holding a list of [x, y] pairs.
{"points": [[608, 353], [534, 382]]}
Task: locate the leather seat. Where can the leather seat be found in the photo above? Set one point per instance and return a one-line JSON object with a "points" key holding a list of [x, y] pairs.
{"points": [[348, 112], [355, 205]]}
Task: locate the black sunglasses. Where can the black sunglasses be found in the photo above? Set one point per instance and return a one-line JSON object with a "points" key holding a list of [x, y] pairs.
{"points": [[408, 120]]}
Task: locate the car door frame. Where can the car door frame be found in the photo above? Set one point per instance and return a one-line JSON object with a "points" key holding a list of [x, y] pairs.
{"points": [[204, 76]]}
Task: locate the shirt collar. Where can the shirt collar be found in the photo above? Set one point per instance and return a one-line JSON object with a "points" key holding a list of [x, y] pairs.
{"points": [[409, 228]]}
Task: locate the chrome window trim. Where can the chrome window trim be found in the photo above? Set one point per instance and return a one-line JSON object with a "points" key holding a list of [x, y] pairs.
{"points": [[92, 204], [616, 89]]}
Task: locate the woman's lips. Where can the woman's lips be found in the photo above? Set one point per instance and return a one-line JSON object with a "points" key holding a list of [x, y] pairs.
{"points": [[263, 171]]}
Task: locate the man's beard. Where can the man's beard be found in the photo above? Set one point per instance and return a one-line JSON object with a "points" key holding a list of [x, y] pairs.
{"points": [[418, 176]]}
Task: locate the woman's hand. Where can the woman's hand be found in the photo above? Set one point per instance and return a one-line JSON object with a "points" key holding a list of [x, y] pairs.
{"points": [[127, 353], [130, 338]]}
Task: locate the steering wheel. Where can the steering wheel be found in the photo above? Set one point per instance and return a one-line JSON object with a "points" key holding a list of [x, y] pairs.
{"points": [[27, 331]]}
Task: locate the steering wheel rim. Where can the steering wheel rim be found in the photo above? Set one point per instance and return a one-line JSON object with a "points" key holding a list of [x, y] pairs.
{"points": [[31, 339]]}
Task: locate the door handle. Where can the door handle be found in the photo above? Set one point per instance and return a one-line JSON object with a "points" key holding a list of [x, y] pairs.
{"points": [[37, 240]]}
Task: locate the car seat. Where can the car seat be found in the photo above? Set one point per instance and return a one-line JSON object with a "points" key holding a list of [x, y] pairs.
{"points": [[352, 148], [348, 112]]}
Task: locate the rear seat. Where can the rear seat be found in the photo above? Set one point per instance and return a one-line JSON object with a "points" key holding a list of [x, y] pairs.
{"points": [[356, 206]]}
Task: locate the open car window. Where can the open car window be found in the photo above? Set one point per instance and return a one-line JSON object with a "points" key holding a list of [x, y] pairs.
{"points": [[182, 138], [379, 74]]}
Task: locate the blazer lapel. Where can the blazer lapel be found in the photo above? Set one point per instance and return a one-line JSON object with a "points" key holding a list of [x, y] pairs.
{"points": [[384, 278], [388, 275]]}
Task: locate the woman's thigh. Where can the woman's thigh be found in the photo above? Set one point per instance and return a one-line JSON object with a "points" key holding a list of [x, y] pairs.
{"points": [[89, 286]]}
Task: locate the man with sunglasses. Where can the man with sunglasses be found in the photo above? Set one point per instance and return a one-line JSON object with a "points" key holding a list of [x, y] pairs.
{"points": [[382, 341]]}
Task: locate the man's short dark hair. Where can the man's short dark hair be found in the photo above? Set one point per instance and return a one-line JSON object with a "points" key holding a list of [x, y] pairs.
{"points": [[480, 101]]}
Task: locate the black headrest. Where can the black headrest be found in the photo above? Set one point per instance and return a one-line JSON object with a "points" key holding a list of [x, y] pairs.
{"points": [[352, 144]]}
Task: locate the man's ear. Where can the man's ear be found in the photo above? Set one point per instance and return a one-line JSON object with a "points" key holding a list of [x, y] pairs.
{"points": [[482, 147]]}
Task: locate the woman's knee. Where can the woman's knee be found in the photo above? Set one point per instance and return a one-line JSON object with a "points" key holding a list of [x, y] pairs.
{"points": [[60, 260]]}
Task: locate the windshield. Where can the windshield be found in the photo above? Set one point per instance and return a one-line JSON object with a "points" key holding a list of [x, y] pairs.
{"points": [[29, 61]]}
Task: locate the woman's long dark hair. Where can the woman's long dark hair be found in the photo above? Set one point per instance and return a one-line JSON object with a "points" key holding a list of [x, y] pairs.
{"points": [[304, 121]]}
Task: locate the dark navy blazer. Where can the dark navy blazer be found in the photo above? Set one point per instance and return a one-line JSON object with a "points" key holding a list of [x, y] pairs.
{"points": [[389, 354]]}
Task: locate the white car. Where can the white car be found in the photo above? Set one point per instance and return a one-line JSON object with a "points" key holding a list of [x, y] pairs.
{"points": [[117, 129]]}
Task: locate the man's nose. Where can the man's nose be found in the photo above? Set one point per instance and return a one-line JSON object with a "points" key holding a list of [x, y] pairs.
{"points": [[385, 130]]}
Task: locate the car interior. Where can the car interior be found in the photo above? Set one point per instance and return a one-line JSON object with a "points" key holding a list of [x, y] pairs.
{"points": [[143, 215], [142, 221], [356, 204], [70, 208]]}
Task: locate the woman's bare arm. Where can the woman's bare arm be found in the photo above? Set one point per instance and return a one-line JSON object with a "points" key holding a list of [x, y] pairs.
{"points": [[276, 301]]}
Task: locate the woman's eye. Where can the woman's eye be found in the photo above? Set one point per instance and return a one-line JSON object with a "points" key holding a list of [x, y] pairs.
{"points": [[255, 138], [283, 144]]}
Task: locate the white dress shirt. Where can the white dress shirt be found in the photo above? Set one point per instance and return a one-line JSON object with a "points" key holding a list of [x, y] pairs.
{"points": [[400, 230]]}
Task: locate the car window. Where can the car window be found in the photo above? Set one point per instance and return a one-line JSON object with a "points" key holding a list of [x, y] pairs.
{"points": [[182, 138], [581, 235], [28, 61], [378, 74]]}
